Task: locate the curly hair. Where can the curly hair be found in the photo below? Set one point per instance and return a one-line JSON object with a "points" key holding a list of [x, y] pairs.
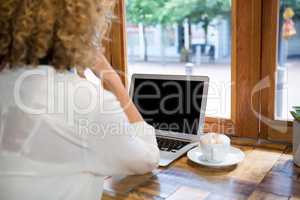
{"points": [[65, 33]]}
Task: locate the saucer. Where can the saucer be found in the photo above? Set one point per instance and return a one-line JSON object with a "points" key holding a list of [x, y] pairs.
{"points": [[234, 157]]}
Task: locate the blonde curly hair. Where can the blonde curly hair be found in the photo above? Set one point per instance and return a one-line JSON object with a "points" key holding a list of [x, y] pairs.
{"points": [[64, 33]]}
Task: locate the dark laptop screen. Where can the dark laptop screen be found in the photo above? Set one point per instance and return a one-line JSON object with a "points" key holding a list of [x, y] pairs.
{"points": [[169, 105]]}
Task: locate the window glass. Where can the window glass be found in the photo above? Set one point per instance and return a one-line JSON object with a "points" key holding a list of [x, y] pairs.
{"points": [[288, 68], [183, 37]]}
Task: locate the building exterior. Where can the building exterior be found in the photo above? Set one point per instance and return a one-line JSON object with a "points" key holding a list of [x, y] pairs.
{"points": [[163, 43]]}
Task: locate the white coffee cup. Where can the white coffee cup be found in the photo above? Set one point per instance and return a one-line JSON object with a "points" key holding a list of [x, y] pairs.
{"points": [[215, 147]]}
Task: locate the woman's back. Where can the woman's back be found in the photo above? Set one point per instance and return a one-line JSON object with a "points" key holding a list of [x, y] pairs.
{"points": [[41, 156], [47, 149]]}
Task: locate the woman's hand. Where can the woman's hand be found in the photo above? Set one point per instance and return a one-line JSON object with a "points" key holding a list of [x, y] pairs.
{"points": [[112, 82], [106, 73]]}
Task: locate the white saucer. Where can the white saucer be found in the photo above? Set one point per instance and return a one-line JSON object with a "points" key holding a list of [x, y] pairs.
{"points": [[234, 157]]}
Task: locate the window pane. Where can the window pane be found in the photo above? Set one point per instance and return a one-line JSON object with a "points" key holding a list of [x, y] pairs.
{"points": [[164, 35], [288, 68]]}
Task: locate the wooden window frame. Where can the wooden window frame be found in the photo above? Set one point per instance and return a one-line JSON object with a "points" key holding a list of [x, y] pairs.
{"points": [[245, 67], [115, 48], [270, 28]]}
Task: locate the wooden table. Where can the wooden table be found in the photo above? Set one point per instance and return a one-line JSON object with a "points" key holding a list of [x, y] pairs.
{"points": [[265, 174]]}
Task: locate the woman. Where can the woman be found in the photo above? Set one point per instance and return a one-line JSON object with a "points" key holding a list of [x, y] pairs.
{"points": [[60, 135]]}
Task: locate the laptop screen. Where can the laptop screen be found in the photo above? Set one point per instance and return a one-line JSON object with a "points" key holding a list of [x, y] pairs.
{"points": [[169, 105]]}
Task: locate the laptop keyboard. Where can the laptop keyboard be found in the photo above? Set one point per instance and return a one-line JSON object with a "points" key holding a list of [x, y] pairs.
{"points": [[170, 145]]}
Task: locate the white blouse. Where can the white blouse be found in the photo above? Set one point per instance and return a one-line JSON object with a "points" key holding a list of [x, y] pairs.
{"points": [[60, 135]]}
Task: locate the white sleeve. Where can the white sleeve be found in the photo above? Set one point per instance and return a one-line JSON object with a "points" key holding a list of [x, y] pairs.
{"points": [[118, 147]]}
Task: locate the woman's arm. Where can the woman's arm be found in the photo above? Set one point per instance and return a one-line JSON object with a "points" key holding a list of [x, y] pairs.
{"points": [[112, 82], [132, 146], [137, 151]]}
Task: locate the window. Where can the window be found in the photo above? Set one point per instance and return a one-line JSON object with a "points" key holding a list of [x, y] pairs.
{"points": [[288, 65], [221, 38], [170, 36]]}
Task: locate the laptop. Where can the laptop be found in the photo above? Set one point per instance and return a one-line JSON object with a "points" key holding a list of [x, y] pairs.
{"points": [[175, 106]]}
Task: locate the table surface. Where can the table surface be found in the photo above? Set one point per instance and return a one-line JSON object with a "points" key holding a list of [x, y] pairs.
{"points": [[266, 173]]}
